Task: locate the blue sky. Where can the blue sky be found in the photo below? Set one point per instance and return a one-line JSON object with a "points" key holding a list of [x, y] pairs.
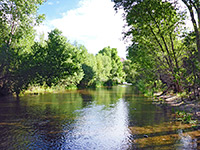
{"points": [[54, 8], [93, 23]]}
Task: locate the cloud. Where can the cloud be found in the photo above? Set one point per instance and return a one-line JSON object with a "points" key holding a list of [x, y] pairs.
{"points": [[94, 24], [42, 29], [50, 3]]}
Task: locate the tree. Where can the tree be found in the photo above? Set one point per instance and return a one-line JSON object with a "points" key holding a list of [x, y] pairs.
{"points": [[77, 56], [56, 61], [130, 71], [103, 68], [191, 65], [155, 26], [89, 69], [88, 78], [194, 10], [116, 73], [17, 19]]}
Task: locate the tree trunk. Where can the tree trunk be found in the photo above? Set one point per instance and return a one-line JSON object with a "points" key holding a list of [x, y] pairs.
{"points": [[198, 44], [190, 5]]}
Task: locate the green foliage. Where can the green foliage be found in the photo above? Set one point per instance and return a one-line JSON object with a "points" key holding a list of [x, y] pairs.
{"points": [[88, 78], [59, 59], [89, 69], [143, 62], [17, 19], [56, 62], [116, 73], [71, 81], [156, 53], [52, 63], [194, 11], [184, 117], [190, 65], [130, 71], [103, 67]]}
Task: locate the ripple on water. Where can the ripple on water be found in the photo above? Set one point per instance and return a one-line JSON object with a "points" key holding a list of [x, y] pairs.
{"points": [[89, 119]]}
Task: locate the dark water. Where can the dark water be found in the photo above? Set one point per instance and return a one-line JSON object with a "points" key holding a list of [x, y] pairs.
{"points": [[102, 119]]}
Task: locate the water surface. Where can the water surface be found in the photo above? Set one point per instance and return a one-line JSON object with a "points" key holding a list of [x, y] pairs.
{"points": [[106, 118]]}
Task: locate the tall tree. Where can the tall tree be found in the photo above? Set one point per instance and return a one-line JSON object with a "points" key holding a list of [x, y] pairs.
{"points": [[60, 59], [55, 61], [17, 19], [194, 10], [155, 24]]}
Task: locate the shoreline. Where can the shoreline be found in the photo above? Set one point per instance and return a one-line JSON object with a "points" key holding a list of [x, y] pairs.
{"points": [[179, 104]]}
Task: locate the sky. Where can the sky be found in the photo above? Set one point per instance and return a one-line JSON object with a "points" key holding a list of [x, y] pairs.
{"points": [[93, 23]]}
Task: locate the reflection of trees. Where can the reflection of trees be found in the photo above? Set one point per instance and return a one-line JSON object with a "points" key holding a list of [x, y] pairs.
{"points": [[86, 96], [106, 97], [102, 96], [42, 121], [38, 121], [141, 110]]}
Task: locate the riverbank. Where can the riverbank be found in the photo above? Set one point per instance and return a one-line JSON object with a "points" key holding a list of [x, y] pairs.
{"points": [[180, 104]]}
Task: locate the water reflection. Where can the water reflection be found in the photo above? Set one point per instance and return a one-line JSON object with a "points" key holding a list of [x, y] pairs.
{"points": [[100, 128], [141, 110], [113, 119]]}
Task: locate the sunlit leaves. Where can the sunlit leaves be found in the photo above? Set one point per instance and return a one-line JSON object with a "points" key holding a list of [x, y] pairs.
{"points": [[154, 28], [116, 73], [18, 18]]}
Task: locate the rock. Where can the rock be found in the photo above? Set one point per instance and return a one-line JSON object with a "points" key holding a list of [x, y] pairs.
{"points": [[146, 136], [157, 94], [173, 98]]}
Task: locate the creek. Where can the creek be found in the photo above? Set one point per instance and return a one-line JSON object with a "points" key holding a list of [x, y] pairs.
{"points": [[114, 118]]}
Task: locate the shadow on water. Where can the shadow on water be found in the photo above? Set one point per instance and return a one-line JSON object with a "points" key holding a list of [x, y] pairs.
{"points": [[86, 97], [91, 119]]}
